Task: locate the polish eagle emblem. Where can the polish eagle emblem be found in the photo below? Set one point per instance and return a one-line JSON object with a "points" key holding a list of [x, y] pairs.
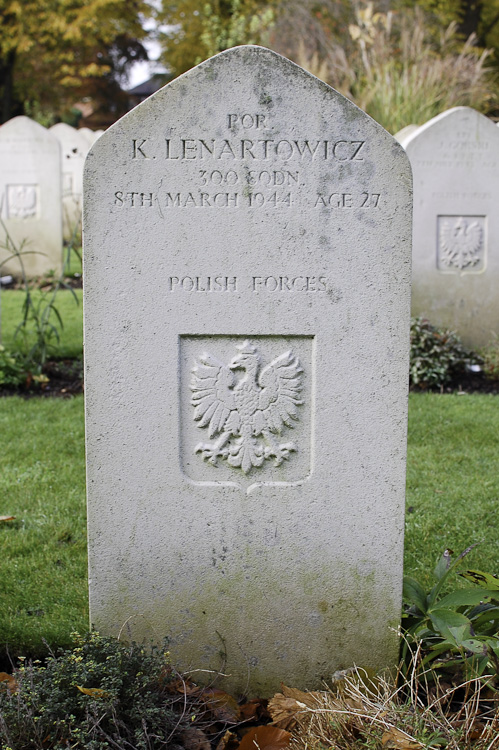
{"points": [[246, 415], [460, 242]]}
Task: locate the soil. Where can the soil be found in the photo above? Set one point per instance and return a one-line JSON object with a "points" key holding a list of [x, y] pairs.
{"points": [[66, 380]]}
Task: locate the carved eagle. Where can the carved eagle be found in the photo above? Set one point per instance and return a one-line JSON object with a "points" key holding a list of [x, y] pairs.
{"points": [[460, 242], [260, 404]]}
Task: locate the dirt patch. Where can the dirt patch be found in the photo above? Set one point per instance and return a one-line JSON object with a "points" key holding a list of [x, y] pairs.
{"points": [[65, 379]]}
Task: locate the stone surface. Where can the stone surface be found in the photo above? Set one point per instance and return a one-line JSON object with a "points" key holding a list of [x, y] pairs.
{"points": [[74, 148], [455, 162], [30, 195], [247, 272]]}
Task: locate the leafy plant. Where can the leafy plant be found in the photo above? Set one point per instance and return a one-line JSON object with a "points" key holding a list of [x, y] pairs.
{"points": [[12, 371], [99, 694], [458, 630], [41, 322], [406, 74], [490, 356], [436, 355]]}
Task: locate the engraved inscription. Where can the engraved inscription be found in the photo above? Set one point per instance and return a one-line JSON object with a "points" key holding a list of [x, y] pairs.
{"points": [[202, 283], [254, 284], [461, 243], [22, 201], [248, 149], [246, 414], [289, 283], [348, 200]]}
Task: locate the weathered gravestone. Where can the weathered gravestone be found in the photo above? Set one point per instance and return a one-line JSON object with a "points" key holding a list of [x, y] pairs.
{"points": [[247, 273], [74, 148], [30, 197], [455, 162]]}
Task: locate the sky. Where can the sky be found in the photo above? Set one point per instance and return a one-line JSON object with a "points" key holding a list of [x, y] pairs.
{"points": [[141, 71]]}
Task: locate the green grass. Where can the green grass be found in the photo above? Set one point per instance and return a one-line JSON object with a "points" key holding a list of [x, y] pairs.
{"points": [[452, 480], [71, 336], [42, 484]]}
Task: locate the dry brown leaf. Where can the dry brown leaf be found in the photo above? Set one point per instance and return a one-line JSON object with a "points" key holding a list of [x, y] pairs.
{"points": [[221, 705], [94, 692], [265, 738], [477, 730], [9, 681], [194, 739], [395, 739], [7, 518], [229, 741], [288, 707], [255, 709]]}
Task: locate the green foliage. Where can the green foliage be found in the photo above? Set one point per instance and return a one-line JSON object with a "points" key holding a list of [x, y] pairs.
{"points": [[55, 53], [198, 30], [402, 74], [41, 321], [99, 694], [436, 355], [456, 630], [12, 372], [490, 357]]}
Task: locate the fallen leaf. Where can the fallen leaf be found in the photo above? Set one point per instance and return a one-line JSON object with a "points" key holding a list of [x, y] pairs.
{"points": [[221, 705], [194, 739], [254, 710], [9, 681], [7, 518], [229, 741], [94, 692], [288, 707], [395, 739], [265, 738]]}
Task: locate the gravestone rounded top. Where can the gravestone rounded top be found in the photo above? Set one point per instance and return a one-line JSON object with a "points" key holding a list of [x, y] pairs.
{"points": [[25, 127], [75, 145], [451, 120]]}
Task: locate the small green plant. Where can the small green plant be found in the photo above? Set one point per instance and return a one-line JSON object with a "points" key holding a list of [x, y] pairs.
{"points": [[457, 630], [12, 371], [97, 695], [41, 322], [490, 356], [436, 355]]}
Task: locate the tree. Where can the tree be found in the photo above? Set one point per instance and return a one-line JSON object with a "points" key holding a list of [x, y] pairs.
{"points": [[52, 50], [201, 29]]}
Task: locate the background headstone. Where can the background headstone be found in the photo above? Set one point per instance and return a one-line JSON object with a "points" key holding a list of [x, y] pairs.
{"points": [[455, 163], [401, 135], [75, 146], [247, 275], [88, 134], [30, 197]]}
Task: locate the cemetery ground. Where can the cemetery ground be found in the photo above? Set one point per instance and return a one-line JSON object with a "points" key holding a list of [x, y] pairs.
{"points": [[452, 493]]}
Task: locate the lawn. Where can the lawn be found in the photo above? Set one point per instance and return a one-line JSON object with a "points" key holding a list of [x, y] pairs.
{"points": [[452, 483], [70, 310]]}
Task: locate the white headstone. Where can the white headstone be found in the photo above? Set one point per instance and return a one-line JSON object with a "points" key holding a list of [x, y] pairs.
{"points": [[75, 146], [88, 134], [455, 162], [30, 197], [247, 273], [401, 135]]}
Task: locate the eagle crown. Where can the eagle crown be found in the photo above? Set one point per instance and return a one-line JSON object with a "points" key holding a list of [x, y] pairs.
{"points": [[247, 359]]}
